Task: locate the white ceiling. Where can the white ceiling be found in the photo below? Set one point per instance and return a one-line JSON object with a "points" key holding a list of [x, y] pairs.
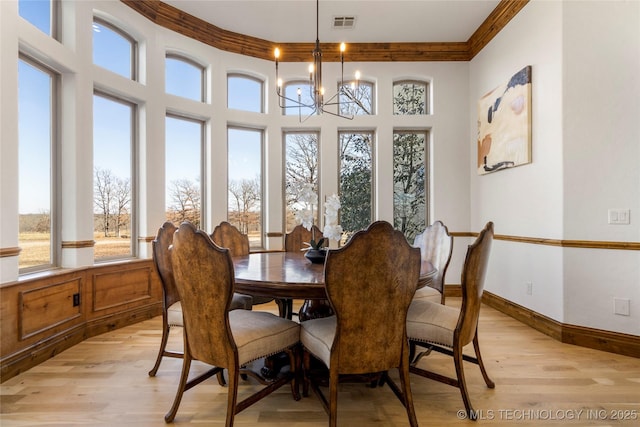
{"points": [[376, 20]]}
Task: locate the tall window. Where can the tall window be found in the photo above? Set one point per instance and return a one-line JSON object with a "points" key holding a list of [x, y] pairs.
{"points": [[410, 98], [245, 93], [113, 142], [114, 49], [36, 167], [183, 165], [184, 78], [356, 180], [245, 182], [358, 99], [301, 167], [299, 90], [41, 13], [410, 182]]}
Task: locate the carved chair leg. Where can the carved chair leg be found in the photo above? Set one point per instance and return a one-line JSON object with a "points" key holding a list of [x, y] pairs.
{"points": [[476, 347], [186, 365], [163, 346], [405, 383], [232, 397], [462, 385], [333, 398], [306, 362]]}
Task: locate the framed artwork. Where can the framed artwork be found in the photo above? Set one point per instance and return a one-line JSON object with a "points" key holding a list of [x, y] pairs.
{"points": [[504, 125]]}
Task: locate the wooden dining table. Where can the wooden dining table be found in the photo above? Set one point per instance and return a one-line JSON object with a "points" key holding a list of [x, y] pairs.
{"points": [[289, 275]]}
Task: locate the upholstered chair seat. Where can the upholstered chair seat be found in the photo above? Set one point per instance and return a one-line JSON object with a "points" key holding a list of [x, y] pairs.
{"points": [[431, 322], [260, 334], [427, 293]]}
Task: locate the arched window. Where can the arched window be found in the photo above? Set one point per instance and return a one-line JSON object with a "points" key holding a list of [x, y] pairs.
{"points": [[300, 91], [184, 77], [356, 98], [114, 49], [245, 93], [410, 97]]}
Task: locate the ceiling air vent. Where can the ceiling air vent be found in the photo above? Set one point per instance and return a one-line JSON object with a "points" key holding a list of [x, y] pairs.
{"points": [[344, 22]]}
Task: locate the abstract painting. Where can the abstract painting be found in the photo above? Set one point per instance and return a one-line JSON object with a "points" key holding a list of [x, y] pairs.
{"points": [[504, 125]]}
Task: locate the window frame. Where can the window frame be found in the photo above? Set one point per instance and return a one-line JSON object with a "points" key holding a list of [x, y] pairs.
{"points": [[55, 185], [54, 19], [427, 166], [264, 208], [427, 96], [250, 77], [195, 64], [202, 162], [373, 199], [133, 167], [285, 132], [134, 74], [367, 83]]}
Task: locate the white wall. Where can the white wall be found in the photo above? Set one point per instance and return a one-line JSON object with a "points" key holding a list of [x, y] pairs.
{"points": [[601, 144], [586, 143], [526, 200]]}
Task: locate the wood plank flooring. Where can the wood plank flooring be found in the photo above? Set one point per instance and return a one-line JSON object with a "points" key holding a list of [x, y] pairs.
{"points": [[103, 381]]}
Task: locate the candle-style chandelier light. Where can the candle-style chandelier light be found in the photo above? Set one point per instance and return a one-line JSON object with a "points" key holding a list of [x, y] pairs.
{"points": [[346, 94]]}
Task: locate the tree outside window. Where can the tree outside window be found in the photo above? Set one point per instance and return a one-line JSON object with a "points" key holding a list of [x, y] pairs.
{"points": [[183, 160], [245, 182], [409, 182], [410, 98], [356, 180], [113, 137], [301, 167]]}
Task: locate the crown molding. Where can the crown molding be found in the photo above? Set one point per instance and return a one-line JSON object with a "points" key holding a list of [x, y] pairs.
{"points": [[191, 26]]}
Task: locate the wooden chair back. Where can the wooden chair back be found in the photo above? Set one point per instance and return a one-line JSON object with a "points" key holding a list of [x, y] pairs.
{"points": [[296, 239], [205, 279], [162, 260], [370, 283], [226, 235], [436, 246], [472, 283]]}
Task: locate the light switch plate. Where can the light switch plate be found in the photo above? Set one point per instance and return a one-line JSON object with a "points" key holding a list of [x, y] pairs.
{"points": [[619, 216]]}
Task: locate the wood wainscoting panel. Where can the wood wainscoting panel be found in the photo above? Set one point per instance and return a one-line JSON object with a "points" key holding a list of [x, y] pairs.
{"points": [[45, 308], [118, 288]]}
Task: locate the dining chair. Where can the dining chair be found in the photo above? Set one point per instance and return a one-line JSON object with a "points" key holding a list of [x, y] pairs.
{"points": [[378, 266], [436, 246], [227, 235], [447, 329], [297, 238], [171, 305], [295, 241], [220, 337]]}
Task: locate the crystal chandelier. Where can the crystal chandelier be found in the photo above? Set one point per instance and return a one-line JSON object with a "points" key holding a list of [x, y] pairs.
{"points": [[346, 94]]}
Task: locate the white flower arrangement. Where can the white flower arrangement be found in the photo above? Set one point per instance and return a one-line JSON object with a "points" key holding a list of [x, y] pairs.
{"points": [[332, 230]]}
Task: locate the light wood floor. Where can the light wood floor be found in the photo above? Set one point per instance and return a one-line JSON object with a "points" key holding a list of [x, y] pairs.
{"points": [[103, 381]]}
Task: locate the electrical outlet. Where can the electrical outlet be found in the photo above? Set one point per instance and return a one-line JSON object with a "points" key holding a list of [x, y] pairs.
{"points": [[621, 306], [529, 288]]}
